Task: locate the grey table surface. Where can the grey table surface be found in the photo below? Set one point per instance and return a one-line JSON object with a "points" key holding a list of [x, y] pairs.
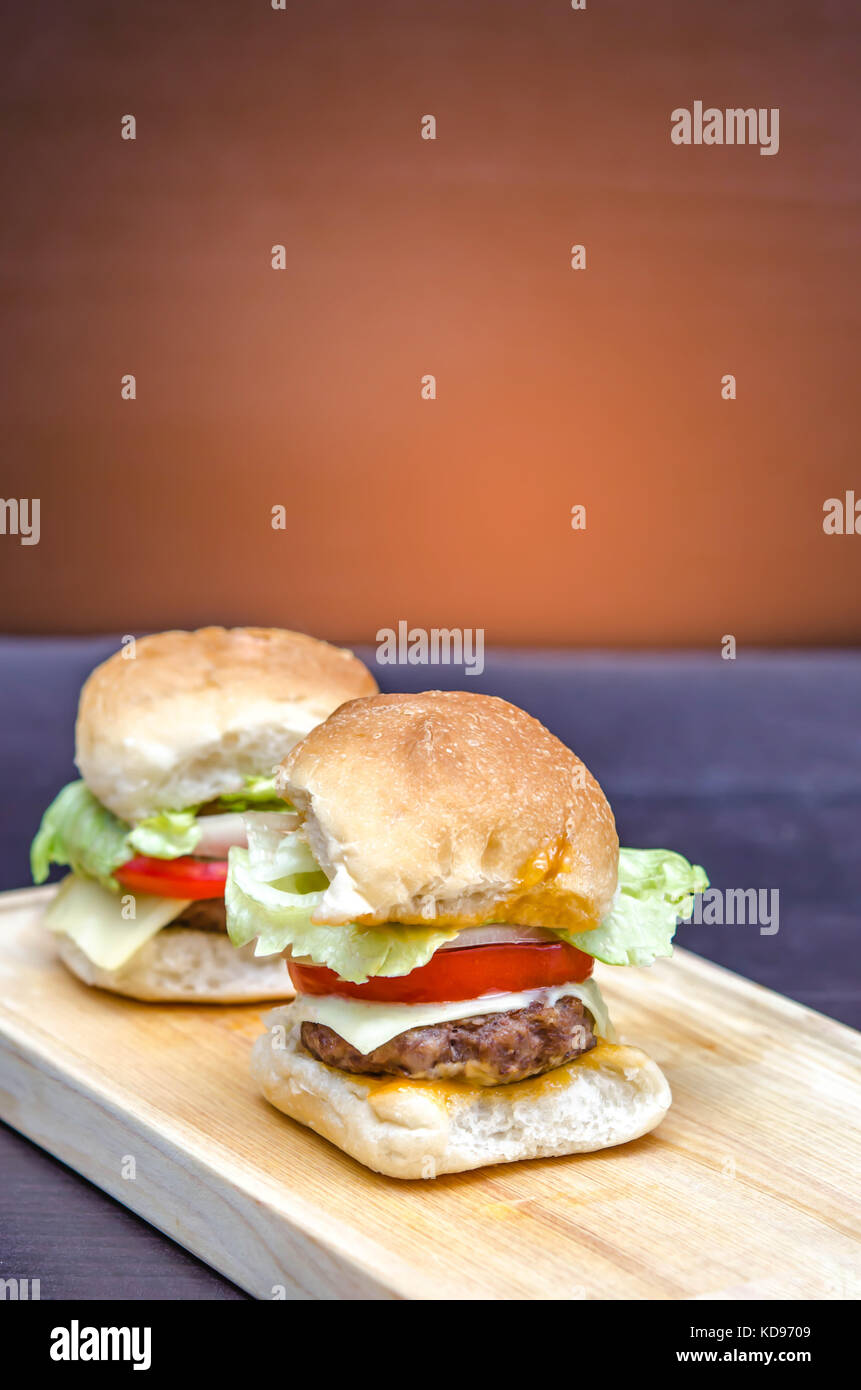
{"points": [[751, 767]]}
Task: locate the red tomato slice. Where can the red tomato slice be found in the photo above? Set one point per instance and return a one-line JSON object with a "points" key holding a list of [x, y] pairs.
{"points": [[186, 877], [464, 973]]}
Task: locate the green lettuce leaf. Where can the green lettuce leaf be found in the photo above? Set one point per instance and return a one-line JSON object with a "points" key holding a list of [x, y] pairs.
{"points": [[279, 916], [258, 794], [79, 831], [656, 887], [274, 887], [166, 835], [275, 855]]}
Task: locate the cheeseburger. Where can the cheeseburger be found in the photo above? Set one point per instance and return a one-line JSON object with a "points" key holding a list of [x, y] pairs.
{"points": [[177, 736], [441, 895]]}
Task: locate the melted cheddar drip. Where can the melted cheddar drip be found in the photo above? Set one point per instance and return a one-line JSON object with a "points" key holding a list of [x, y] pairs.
{"points": [[446, 1094]]}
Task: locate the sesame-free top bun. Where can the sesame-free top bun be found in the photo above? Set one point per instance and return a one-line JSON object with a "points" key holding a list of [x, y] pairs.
{"points": [[454, 808], [190, 714]]}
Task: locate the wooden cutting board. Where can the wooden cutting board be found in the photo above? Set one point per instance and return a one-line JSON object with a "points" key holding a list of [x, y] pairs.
{"points": [[748, 1189]]}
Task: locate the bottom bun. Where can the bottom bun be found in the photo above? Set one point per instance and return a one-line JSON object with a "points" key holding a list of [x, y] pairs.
{"points": [[420, 1129], [183, 965]]}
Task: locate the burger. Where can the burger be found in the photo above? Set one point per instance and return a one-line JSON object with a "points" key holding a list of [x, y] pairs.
{"points": [[177, 738], [451, 878]]}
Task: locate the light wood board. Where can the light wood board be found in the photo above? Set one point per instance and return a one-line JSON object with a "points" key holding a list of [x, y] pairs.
{"points": [[748, 1189]]}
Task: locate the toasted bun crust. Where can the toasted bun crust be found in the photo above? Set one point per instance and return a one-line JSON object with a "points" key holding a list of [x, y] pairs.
{"points": [[455, 808], [193, 713], [182, 965], [421, 1129]]}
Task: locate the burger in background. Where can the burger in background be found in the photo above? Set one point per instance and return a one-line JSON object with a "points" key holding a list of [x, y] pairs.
{"points": [[175, 741]]}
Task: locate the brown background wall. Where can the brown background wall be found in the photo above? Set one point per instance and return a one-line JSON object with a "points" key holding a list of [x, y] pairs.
{"points": [[407, 257]]}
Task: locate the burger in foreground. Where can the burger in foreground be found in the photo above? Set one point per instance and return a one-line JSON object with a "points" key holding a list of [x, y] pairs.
{"points": [[454, 874], [176, 737]]}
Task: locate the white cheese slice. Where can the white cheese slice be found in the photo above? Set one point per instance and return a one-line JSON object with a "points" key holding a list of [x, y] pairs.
{"points": [[93, 918], [366, 1026]]}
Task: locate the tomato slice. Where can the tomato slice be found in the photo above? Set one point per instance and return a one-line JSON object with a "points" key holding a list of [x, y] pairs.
{"points": [[464, 973], [186, 877]]}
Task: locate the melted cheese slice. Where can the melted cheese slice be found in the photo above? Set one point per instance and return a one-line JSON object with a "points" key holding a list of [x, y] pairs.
{"points": [[366, 1026], [94, 919]]}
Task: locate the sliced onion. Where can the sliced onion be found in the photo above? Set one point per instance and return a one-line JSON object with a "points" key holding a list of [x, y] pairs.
{"points": [[488, 934], [281, 821], [493, 933], [226, 828], [218, 833]]}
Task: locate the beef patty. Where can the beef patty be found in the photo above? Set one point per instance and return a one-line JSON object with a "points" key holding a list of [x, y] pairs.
{"points": [[206, 915], [487, 1050]]}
